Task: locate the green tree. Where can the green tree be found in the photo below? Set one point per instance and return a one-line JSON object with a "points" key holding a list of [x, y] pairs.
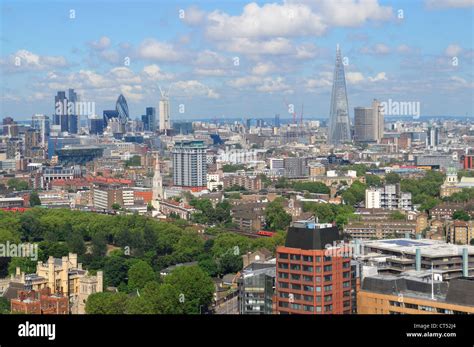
{"points": [[34, 199], [373, 180], [276, 216], [397, 215], [195, 288], [230, 263], [461, 215], [139, 275], [116, 206], [392, 178], [107, 303], [115, 270]]}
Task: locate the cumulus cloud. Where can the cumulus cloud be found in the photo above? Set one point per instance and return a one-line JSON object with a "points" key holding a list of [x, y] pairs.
{"points": [[155, 73], [381, 76], [152, 49], [24, 60], [354, 77], [193, 88], [263, 68], [193, 15], [261, 84], [102, 43]]}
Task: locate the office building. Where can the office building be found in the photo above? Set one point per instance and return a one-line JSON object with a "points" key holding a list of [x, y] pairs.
{"points": [[368, 123], [295, 167], [189, 164], [313, 279], [405, 294], [96, 125], [277, 122], [41, 123], [149, 119], [339, 130], [32, 142], [164, 110], [106, 196], [72, 116], [109, 115], [183, 128], [432, 137], [60, 111], [122, 109], [256, 287]]}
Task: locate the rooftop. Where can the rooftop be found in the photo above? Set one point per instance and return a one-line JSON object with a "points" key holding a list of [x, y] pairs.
{"points": [[428, 248]]}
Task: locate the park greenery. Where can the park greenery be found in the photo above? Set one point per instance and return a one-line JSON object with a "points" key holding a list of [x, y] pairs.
{"points": [[132, 251]]}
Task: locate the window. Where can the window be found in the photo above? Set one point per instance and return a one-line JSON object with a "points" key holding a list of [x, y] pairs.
{"points": [[295, 277], [283, 304], [318, 288], [346, 265], [296, 286], [308, 288], [395, 303], [318, 308], [328, 278], [283, 255], [307, 258], [307, 278], [283, 285], [295, 267], [308, 308], [283, 274], [346, 284], [327, 268], [327, 258], [283, 266], [295, 257], [327, 298], [328, 288], [328, 308], [318, 259], [346, 274], [318, 269], [307, 268], [308, 298]]}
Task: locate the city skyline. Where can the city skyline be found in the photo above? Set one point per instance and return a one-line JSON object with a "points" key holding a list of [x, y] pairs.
{"points": [[226, 60]]}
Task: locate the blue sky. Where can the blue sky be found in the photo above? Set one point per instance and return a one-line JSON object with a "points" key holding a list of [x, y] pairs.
{"points": [[236, 58]]}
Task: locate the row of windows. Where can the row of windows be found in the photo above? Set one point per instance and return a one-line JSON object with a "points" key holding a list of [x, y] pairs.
{"points": [[307, 288], [307, 308], [308, 258]]}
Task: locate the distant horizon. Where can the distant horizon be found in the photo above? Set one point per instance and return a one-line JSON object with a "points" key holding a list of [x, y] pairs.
{"points": [[221, 58]]}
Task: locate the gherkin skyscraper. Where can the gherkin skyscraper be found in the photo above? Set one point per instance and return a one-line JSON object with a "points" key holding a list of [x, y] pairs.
{"points": [[339, 121]]}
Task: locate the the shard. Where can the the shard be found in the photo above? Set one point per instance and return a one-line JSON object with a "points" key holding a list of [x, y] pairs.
{"points": [[339, 121]]}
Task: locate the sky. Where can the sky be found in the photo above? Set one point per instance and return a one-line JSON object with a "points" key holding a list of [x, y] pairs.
{"points": [[236, 59]]}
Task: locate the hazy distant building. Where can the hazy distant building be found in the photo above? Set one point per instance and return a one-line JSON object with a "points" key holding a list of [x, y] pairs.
{"points": [[149, 119], [277, 123], [339, 121], [108, 115], [10, 127], [72, 116], [122, 108], [96, 125], [368, 123], [432, 137], [60, 110], [189, 164], [164, 110], [41, 123]]}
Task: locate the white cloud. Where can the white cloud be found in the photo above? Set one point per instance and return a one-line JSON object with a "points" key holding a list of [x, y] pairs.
{"points": [[154, 73], [24, 60], [193, 15], [377, 49], [403, 49], [381, 76], [102, 43], [152, 49], [193, 88], [211, 72], [263, 68], [354, 77], [261, 84]]}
